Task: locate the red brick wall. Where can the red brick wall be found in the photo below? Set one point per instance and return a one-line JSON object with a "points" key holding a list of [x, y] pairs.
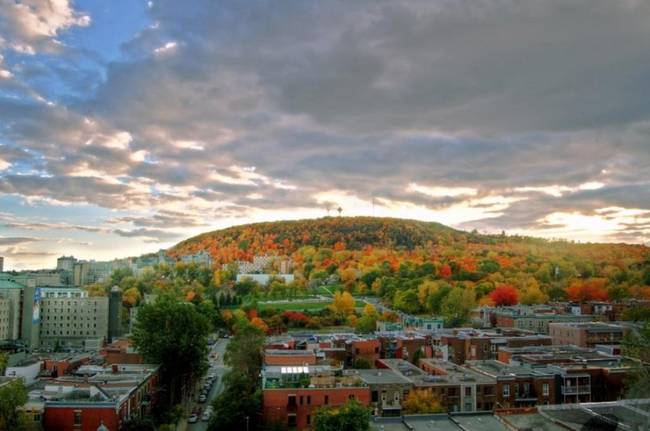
{"points": [[275, 402], [62, 419], [307, 358]]}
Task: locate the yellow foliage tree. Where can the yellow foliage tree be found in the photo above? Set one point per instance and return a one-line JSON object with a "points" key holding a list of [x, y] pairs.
{"points": [[369, 310], [532, 294], [422, 402], [130, 297], [342, 303]]}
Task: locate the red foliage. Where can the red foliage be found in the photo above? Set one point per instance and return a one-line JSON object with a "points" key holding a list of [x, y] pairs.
{"points": [[445, 271], [251, 314], [504, 294], [589, 290], [296, 316]]}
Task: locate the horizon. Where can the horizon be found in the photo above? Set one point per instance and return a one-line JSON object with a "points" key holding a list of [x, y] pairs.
{"points": [[129, 126], [120, 257]]}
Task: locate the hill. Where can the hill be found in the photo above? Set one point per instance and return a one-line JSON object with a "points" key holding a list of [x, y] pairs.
{"points": [[407, 261], [286, 237]]}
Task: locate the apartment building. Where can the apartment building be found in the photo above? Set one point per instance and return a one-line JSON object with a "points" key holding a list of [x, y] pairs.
{"points": [[362, 349], [5, 318], [291, 395], [458, 389], [289, 357], [74, 321], [472, 345], [518, 386], [106, 397], [586, 334], [388, 390], [535, 321]]}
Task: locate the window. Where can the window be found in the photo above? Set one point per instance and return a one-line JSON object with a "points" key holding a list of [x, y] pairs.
{"points": [[545, 389], [77, 418], [291, 421], [506, 391], [308, 399], [468, 391], [327, 399], [374, 396], [351, 396], [300, 399], [308, 419]]}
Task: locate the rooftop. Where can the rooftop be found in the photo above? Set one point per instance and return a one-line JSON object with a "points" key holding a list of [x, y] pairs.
{"points": [[382, 377], [440, 422]]}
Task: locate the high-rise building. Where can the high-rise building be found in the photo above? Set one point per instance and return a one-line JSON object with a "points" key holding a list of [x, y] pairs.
{"points": [[65, 263], [114, 313]]}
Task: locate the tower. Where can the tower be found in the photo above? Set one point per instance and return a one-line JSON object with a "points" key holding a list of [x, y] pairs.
{"points": [[114, 313]]}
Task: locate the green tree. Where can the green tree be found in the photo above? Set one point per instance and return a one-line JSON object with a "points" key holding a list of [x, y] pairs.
{"points": [[637, 345], [244, 352], [175, 335], [457, 306], [350, 417], [4, 359], [239, 400], [407, 300], [12, 396]]}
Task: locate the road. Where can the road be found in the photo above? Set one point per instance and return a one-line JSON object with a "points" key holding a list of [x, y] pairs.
{"points": [[220, 370]]}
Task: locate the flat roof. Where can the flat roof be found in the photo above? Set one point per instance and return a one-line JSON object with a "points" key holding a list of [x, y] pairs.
{"points": [[382, 376]]}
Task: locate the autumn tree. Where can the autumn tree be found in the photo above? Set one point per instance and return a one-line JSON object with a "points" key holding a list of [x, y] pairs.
{"points": [[342, 303], [588, 290], [421, 402], [504, 294], [352, 416], [260, 324], [368, 320]]}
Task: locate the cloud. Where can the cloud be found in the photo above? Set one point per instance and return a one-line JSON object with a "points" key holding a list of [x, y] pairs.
{"points": [[524, 116], [31, 25], [16, 240]]}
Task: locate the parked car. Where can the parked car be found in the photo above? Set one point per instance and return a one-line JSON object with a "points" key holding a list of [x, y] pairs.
{"points": [[202, 398], [206, 415], [193, 419]]}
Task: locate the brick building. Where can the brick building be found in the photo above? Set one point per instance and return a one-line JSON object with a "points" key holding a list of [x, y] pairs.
{"points": [[289, 357], [121, 352], [586, 334], [458, 389], [366, 349], [109, 397], [518, 386], [291, 395]]}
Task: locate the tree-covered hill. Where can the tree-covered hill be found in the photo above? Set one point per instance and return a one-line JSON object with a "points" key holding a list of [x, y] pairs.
{"points": [[415, 264], [286, 237]]}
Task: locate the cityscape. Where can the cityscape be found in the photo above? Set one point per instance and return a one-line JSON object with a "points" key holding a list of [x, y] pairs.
{"points": [[301, 215]]}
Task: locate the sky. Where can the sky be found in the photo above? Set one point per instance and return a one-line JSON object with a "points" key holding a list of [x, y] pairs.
{"points": [[126, 126]]}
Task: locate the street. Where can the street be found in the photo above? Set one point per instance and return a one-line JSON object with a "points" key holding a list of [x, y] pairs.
{"points": [[219, 347]]}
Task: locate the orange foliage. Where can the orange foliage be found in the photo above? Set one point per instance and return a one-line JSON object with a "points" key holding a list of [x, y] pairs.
{"points": [[260, 324], [588, 290]]}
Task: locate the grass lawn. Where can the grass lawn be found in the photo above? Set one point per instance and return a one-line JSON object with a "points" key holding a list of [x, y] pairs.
{"points": [[298, 306]]}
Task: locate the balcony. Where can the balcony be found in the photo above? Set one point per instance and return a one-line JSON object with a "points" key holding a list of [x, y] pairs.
{"points": [[525, 397], [575, 390]]}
